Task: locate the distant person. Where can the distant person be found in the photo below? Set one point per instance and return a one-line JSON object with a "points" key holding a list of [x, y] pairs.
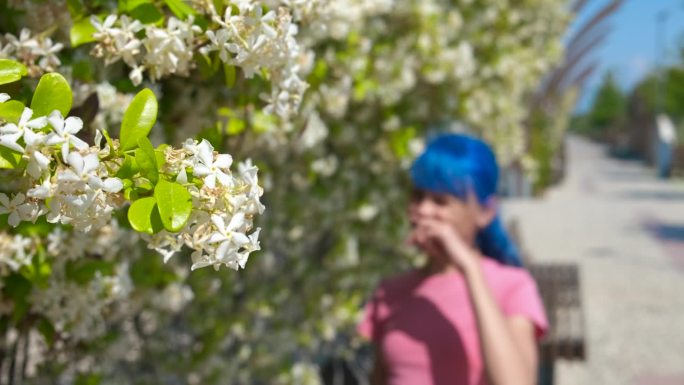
{"points": [[471, 315], [667, 139]]}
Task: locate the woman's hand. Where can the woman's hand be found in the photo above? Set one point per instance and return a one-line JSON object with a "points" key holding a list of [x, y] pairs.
{"points": [[439, 238]]}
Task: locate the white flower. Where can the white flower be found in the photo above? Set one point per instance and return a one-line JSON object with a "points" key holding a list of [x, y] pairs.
{"points": [[37, 164], [218, 42], [9, 140], [83, 169], [64, 132], [42, 191], [229, 237], [210, 169], [15, 208], [10, 133], [4, 97]]}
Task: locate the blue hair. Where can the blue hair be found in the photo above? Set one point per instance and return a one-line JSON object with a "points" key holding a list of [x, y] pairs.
{"points": [[460, 165]]}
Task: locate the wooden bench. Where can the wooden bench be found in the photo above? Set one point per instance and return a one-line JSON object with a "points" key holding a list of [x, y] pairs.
{"points": [[559, 286]]}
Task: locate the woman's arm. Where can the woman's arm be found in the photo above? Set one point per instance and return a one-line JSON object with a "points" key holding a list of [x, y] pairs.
{"points": [[508, 343]]}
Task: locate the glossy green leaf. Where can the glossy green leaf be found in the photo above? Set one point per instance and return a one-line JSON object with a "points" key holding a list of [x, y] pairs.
{"points": [[53, 93], [11, 71], [9, 158], [129, 5], [128, 168], [138, 119], [143, 216], [180, 9], [11, 110], [147, 160], [147, 13], [174, 203], [82, 32]]}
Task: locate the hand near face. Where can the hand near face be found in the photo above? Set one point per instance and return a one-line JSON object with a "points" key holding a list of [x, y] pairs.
{"points": [[445, 227], [440, 239]]}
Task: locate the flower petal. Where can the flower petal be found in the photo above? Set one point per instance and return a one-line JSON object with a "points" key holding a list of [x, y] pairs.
{"points": [[113, 185], [91, 163], [73, 124], [205, 152], [236, 222], [56, 121], [76, 161], [219, 223], [210, 181], [78, 143], [223, 161], [37, 122]]}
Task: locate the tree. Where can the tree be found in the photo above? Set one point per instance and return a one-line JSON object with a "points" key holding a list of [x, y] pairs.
{"points": [[609, 106]]}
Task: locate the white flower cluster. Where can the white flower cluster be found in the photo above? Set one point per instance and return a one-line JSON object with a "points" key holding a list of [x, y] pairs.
{"points": [[224, 208], [38, 54], [166, 50], [254, 41], [80, 191], [257, 42]]}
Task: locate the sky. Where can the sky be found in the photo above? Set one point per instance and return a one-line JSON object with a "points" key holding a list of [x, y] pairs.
{"points": [[630, 49]]}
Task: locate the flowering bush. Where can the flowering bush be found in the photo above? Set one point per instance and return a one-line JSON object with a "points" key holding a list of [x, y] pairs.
{"points": [[330, 98]]}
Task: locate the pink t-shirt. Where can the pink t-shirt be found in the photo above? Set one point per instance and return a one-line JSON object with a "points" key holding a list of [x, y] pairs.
{"points": [[425, 326]]}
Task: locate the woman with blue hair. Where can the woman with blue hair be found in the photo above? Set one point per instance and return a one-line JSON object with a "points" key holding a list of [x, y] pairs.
{"points": [[471, 315]]}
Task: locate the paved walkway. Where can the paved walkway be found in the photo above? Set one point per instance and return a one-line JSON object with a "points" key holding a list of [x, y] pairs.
{"points": [[625, 229]]}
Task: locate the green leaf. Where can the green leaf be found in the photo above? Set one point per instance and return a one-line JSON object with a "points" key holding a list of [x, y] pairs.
{"points": [[147, 160], [129, 5], [82, 32], [147, 14], [75, 8], [11, 111], [11, 71], [128, 168], [180, 9], [229, 71], [9, 158], [53, 93], [174, 203], [144, 217], [138, 119], [160, 157]]}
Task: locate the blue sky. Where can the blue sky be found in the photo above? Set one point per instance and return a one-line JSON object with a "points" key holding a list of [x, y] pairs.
{"points": [[630, 49]]}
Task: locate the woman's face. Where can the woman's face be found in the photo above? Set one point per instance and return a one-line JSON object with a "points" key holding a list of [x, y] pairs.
{"points": [[466, 217]]}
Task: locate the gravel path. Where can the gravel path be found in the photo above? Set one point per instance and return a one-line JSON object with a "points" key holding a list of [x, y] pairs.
{"points": [[625, 229]]}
